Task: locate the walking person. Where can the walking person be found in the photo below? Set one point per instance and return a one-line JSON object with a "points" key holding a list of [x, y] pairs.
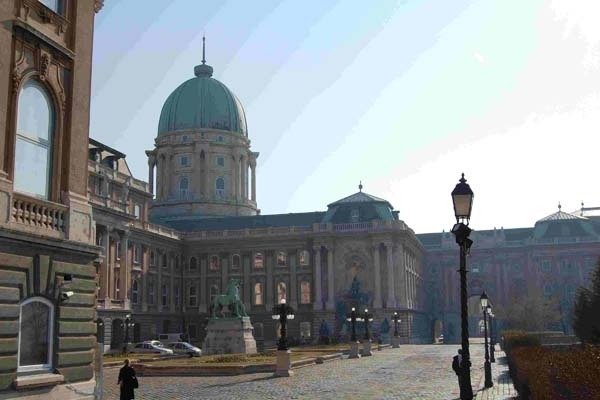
{"points": [[127, 381]]}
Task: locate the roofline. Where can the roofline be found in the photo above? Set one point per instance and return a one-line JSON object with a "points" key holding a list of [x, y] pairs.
{"points": [[103, 146]]}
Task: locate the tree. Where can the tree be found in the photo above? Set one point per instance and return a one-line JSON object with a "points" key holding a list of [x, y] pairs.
{"points": [[531, 311], [586, 311]]}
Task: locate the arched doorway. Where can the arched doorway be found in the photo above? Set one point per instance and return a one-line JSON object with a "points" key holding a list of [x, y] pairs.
{"points": [[117, 334]]}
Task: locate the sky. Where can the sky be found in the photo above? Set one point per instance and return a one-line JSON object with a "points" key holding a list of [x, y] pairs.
{"points": [[401, 95]]}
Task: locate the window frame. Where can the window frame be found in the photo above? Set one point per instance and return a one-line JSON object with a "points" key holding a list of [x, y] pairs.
{"points": [[192, 296], [258, 256], [134, 291], [256, 293], [193, 266], [239, 263], [220, 191], [184, 160], [304, 261], [303, 284], [282, 259], [280, 292], [164, 295], [51, 318], [214, 266]]}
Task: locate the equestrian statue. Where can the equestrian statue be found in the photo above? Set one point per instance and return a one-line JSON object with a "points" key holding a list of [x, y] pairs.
{"points": [[231, 299]]}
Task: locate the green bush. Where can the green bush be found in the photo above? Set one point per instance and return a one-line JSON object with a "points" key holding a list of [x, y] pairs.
{"points": [[514, 339]]}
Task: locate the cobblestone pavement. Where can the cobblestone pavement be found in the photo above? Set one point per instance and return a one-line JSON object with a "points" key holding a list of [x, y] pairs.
{"points": [[410, 372]]}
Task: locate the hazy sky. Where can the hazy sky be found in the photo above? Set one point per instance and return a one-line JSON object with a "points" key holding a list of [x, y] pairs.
{"points": [[403, 95]]}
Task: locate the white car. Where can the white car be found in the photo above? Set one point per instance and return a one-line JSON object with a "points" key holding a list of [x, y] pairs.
{"points": [[184, 348], [149, 347]]}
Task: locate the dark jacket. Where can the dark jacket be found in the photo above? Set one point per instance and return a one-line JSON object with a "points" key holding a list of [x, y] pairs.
{"points": [[128, 381], [456, 364]]}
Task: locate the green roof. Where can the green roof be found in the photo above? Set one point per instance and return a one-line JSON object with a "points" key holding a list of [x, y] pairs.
{"points": [[202, 102]]}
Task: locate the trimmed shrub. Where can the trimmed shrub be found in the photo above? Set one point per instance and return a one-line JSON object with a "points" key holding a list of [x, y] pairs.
{"points": [[514, 339]]}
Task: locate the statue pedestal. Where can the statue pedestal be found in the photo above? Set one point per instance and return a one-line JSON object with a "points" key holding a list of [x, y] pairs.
{"points": [[229, 335], [366, 350], [283, 367], [354, 353], [395, 342]]}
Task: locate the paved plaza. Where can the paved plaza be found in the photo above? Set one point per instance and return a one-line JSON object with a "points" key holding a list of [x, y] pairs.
{"points": [[410, 372]]}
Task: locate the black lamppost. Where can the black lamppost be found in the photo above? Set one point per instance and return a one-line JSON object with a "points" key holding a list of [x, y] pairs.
{"points": [[367, 317], [397, 320], [462, 198], [128, 323], [486, 366], [352, 319], [492, 344], [282, 312]]}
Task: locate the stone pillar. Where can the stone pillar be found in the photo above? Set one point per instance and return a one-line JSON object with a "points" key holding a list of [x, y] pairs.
{"points": [[145, 267], [270, 296], [247, 283], [330, 279], [293, 281], [151, 163], [224, 264], [124, 273], [171, 292], [403, 295], [202, 293], [106, 267], [318, 305], [244, 172], [235, 178], [158, 293], [391, 295], [253, 168], [377, 266]]}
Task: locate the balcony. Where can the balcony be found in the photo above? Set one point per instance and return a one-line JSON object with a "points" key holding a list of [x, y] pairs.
{"points": [[108, 203], [38, 216]]}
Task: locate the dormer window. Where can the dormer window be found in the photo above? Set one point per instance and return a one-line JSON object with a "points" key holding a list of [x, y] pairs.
{"points": [[354, 215]]}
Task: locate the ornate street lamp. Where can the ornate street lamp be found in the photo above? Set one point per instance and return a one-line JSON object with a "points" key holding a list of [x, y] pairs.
{"points": [[128, 324], [396, 338], [353, 318], [487, 366], [462, 199], [492, 345], [283, 313], [366, 318]]}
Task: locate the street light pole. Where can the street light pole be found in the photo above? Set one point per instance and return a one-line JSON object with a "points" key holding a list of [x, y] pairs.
{"points": [[352, 318], [492, 345], [283, 313], [128, 323], [462, 198], [486, 366], [396, 338]]}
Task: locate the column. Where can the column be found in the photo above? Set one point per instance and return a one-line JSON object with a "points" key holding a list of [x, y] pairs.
{"points": [[151, 163], [124, 273], [330, 279], [377, 265], [391, 296], [235, 178], [293, 291], [202, 291], [224, 265], [145, 266], [105, 284], [269, 262], [244, 171], [317, 277], [247, 283], [171, 264], [253, 168], [158, 293]]}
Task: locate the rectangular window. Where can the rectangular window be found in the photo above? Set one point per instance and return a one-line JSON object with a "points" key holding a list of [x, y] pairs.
{"points": [[176, 295], [258, 296], [136, 253], [136, 211], [152, 258], [118, 252], [304, 257], [258, 260], [305, 292], [235, 261], [151, 293], [193, 296], [220, 161], [184, 161], [214, 263], [281, 259], [546, 267]]}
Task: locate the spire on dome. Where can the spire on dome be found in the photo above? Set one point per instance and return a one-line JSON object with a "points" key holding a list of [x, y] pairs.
{"points": [[203, 70], [360, 186]]}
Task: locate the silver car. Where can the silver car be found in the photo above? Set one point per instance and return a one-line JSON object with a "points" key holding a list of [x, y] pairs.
{"points": [[184, 348], [148, 347]]}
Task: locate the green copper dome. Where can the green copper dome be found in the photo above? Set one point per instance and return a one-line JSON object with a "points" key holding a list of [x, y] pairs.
{"points": [[202, 102]]}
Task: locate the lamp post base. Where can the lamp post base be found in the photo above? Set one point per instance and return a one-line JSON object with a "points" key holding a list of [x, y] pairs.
{"points": [[395, 342], [488, 375], [354, 351], [366, 350], [283, 366]]}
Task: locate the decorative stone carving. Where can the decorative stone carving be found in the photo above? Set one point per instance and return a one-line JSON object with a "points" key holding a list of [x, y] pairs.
{"points": [[16, 80], [44, 64], [98, 4]]}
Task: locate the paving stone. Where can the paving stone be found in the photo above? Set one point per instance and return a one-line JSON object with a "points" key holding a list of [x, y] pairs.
{"points": [[409, 372]]}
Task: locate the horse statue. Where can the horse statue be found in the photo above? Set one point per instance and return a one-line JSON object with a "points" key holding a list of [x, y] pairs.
{"points": [[231, 299]]}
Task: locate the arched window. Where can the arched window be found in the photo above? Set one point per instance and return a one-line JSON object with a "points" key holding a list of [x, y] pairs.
{"points": [[281, 259], [214, 292], [281, 292], [164, 296], [33, 149], [304, 257], [258, 260], [235, 261], [214, 263], [134, 292], [183, 187], [193, 264], [258, 294], [137, 211], [36, 320], [220, 187], [305, 292]]}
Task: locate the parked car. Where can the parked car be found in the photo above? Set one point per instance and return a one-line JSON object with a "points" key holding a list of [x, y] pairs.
{"points": [[171, 337], [148, 347], [184, 348]]}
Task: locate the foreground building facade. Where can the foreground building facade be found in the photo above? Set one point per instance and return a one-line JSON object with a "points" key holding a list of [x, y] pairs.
{"points": [[47, 277]]}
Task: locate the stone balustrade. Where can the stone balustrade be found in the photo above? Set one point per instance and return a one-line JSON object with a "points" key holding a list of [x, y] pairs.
{"points": [[39, 216]]}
